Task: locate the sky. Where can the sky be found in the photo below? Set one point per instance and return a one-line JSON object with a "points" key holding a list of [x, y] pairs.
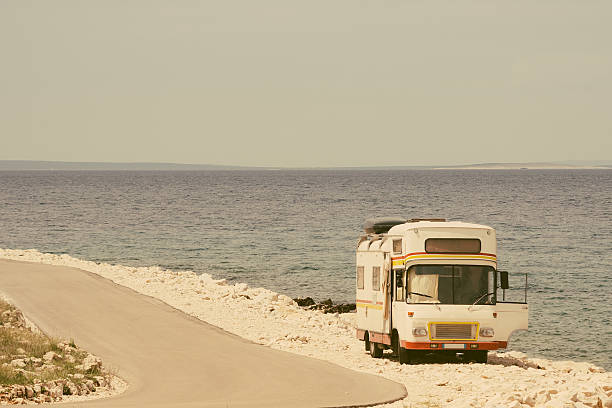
{"points": [[306, 83]]}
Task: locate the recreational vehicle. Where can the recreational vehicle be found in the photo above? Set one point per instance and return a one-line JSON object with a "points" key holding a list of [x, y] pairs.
{"points": [[432, 286]]}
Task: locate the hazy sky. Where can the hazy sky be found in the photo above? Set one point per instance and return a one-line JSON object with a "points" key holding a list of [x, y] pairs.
{"points": [[311, 82]]}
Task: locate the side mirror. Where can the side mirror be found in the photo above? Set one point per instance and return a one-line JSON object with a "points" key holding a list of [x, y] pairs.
{"points": [[503, 277]]}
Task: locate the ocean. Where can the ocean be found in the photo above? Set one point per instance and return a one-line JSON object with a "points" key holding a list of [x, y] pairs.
{"points": [[295, 232]]}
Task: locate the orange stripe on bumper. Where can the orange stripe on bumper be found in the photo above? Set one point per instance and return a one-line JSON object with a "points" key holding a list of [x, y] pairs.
{"points": [[492, 345]]}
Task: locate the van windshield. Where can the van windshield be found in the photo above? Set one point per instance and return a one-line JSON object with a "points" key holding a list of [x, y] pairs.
{"points": [[451, 284]]}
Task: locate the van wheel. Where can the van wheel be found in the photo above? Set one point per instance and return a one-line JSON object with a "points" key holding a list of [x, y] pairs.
{"points": [[367, 342], [395, 343], [402, 354], [375, 350]]}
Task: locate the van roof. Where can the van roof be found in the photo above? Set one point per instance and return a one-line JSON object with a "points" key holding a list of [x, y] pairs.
{"points": [[402, 228]]}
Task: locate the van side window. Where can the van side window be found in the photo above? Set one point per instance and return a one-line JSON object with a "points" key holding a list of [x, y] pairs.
{"points": [[360, 277], [397, 246], [376, 278], [399, 286]]}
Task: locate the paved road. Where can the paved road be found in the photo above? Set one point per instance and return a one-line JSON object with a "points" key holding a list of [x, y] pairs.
{"points": [[171, 359]]}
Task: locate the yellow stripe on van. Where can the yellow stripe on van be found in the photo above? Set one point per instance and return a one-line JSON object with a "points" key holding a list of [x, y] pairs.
{"points": [[368, 306], [411, 258]]}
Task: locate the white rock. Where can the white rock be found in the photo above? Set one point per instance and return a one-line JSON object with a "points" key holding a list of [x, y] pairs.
{"points": [[285, 300], [45, 367], [90, 385], [529, 400], [56, 391], [51, 355], [101, 381], [91, 362], [20, 363]]}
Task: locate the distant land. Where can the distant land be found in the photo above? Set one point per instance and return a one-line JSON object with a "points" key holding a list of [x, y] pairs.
{"points": [[60, 165], [534, 165], [23, 165]]}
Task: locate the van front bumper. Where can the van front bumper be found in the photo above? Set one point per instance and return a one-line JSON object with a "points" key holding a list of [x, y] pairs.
{"points": [[454, 345]]}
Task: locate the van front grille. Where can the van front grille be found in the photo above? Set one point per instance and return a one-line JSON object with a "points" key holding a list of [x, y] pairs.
{"points": [[450, 331]]}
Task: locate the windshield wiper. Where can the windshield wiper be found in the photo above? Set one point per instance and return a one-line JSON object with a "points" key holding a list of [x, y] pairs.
{"points": [[479, 298], [419, 294], [427, 296]]}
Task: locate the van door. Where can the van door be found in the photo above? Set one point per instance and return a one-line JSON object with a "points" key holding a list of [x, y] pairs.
{"points": [[398, 294], [387, 289]]}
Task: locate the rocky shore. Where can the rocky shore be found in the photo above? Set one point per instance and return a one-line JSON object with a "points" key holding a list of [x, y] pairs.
{"points": [[51, 391], [35, 368], [510, 379], [326, 306]]}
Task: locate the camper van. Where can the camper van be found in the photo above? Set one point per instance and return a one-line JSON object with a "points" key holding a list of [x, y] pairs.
{"points": [[431, 286]]}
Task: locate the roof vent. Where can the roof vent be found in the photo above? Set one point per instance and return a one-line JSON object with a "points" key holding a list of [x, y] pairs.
{"points": [[381, 225], [427, 219]]}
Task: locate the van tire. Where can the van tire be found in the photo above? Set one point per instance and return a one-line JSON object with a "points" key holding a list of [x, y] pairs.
{"points": [[367, 341], [403, 355], [395, 343], [375, 350]]}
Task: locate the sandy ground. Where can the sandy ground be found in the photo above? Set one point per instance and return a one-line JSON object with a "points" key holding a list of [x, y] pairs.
{"points": [[509, 380], [170, 359]]}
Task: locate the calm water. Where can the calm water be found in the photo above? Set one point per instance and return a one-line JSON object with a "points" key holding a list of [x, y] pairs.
{"points": [[295, 231]]}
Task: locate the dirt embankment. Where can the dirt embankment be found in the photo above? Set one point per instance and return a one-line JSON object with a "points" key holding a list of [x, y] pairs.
{"points": [[36, 368]]}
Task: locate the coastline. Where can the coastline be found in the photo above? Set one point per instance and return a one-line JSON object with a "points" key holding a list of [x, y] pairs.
{"points": [[272, 319]]}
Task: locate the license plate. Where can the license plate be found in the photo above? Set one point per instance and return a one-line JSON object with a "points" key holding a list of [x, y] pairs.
{"points": [[454, 346]]}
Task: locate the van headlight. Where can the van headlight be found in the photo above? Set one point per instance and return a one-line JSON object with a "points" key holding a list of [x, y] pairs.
{"points": [[419, 331], [487, 332]]}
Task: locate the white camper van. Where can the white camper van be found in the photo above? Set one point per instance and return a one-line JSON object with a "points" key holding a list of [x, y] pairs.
{"points": [[432, 286]]}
